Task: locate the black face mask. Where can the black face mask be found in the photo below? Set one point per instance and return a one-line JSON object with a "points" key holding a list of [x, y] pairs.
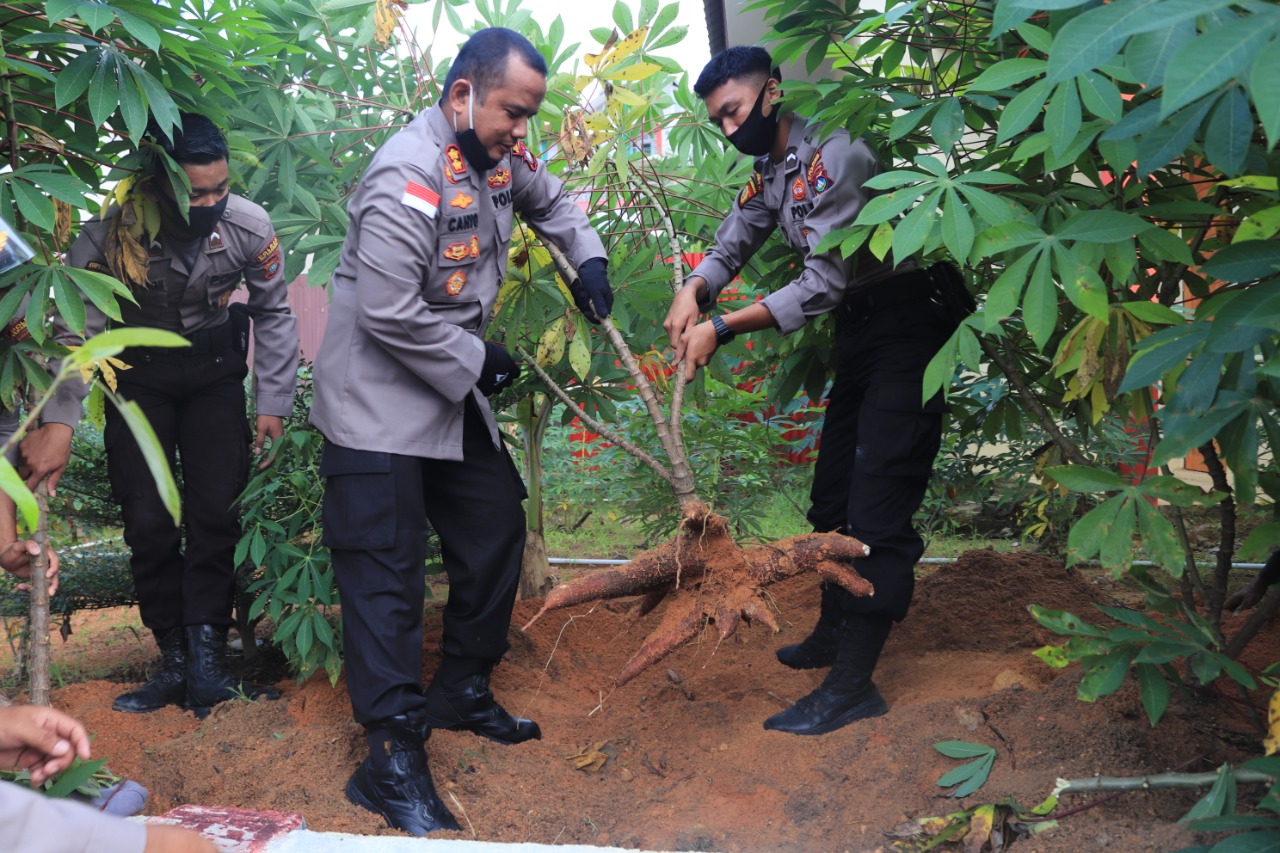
{"points": [[756, 135], [472, 148], [201, 220]]}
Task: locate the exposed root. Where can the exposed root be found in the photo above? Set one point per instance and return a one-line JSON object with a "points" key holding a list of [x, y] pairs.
{"points": [[711, 580]]}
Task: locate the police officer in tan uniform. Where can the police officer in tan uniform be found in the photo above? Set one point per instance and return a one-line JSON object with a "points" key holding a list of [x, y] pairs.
{"points": [[878, 439], [401, 382], [194, 399]]}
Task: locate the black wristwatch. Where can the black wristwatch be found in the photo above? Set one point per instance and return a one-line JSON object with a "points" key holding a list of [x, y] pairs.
{"points": [[723, 333]]}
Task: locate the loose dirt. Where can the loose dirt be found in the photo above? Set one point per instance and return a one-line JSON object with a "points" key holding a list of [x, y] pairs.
{"points": [[688, 765]]}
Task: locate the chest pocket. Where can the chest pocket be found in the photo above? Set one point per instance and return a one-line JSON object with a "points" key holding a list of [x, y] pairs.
{"points": [[220, 285]]}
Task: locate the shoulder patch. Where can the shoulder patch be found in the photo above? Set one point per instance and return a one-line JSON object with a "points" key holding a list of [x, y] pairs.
{"points": [[522, 151], [817, 176], [269, 258], [16, 332], [751, 190]]}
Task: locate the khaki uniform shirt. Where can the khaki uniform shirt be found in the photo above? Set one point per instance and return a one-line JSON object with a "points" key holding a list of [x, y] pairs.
{"points": [[33, 823], [243, 247], [424, 258], [815, 190]]}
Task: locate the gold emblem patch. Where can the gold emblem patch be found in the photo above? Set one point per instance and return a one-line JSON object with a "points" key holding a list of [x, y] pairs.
{"points": [[475, 247], [457, 251], [453, 285], [461, 200], [453, 156], [499, 179]]}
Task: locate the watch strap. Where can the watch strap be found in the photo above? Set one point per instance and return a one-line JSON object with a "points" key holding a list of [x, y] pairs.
{"points": [[724, 334]]}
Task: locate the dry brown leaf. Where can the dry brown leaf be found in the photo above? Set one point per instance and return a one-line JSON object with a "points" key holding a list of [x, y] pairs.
{"points": [[386, 13], [590, 758], [61, 222], [126, 257]]}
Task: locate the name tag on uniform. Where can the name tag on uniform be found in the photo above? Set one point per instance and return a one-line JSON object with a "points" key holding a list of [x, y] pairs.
{"points": [[421, 199]]}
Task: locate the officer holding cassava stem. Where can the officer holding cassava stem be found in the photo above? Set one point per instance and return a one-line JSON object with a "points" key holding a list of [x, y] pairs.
{"points": [[402, 382], [879, 439]]}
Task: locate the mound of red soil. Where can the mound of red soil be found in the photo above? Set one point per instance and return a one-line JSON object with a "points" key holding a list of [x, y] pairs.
{"points": [[689, 766]]}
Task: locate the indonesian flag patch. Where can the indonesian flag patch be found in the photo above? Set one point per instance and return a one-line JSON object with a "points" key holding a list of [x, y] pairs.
{"points": [[421, 199]]}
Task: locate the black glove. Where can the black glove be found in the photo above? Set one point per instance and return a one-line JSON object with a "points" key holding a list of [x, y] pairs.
{"points": [[499, 370], [591, 291]]}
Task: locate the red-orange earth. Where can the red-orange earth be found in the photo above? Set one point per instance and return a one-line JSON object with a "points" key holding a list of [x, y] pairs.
{"points": [[689, 766]]}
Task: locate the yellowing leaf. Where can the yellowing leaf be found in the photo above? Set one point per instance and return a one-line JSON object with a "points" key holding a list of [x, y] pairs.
{"points": [[582, 81], [62, 222], [580, 352], [629, 45], [635, 71], [593, 59], [551, 344], [1272, 741], [980, 825], [597, 122], [623, 95]]}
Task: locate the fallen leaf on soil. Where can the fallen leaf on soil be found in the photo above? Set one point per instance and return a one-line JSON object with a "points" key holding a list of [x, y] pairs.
{"points": [[590, 758]]}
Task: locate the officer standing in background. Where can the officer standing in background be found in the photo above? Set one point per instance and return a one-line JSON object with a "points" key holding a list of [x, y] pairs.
{"points": [[401, 382], [878, 439], [194, 399]]}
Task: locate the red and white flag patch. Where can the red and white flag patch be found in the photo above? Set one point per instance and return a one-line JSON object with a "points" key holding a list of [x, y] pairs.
{"points": [[421, 199]]}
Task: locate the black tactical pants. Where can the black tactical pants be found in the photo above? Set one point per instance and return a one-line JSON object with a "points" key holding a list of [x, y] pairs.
{"points": [[878, 445], [195, 402], [376, 512]]}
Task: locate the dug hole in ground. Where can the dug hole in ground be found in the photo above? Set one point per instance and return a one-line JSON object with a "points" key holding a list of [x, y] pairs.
{"points": [[686, 763]]}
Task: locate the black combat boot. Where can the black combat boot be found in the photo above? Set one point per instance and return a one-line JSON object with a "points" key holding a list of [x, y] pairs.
{"points": [[395, 781], [209, 681], [847, 693], [819, 648], [459, 699], [166, 687]]}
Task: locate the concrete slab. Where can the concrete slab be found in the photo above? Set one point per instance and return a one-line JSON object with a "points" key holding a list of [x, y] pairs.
{"points": [[245, 831], [305, 841]]}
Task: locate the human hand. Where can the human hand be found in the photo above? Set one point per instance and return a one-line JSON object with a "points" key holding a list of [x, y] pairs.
{"points": [[45, 452], [269, 427], [41, 740], [166, 838], [1246, 598], [682, 317], [15, 558], [499, 369], [699, 345], [591, 291]]}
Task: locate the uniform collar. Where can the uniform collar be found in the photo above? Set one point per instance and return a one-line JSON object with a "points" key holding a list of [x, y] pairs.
{"points": [[791, 161]]}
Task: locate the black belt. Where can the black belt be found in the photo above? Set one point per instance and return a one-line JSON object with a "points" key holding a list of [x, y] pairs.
{"points": [[914, 286], [212, 341]]}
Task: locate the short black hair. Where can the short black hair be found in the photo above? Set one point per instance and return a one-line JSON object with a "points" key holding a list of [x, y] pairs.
{"points": [[735, 63], [196, 140], [483, 60]]}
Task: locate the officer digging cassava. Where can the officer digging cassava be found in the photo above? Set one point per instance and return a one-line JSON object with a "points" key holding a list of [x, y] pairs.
{"points": [[401, 386], [878, 438], [194, 399]]}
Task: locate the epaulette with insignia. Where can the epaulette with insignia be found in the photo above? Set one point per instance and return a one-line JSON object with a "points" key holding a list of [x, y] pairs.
{"points": [[751, 190], [817, 176], [522, 151]]}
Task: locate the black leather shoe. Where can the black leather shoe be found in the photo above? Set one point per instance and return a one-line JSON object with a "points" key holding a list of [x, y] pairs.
{"points": [[468, 705], [818, 649], [209, 680], [168, 686], [825, 710], [397, 783]]}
